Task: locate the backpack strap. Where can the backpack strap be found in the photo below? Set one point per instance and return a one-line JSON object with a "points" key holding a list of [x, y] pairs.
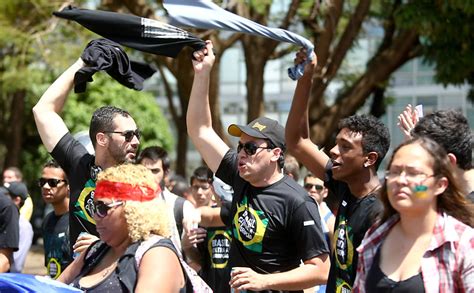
{"points": [[178, 213]]}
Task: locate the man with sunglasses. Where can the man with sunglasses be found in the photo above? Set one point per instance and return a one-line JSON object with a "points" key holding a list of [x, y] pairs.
{"points": [[319, 192], [114, 136], [277, 241], [55, 191], [349, 173]]}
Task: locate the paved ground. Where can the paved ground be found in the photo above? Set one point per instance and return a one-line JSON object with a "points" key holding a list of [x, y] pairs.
{"points": [[34, 263]]}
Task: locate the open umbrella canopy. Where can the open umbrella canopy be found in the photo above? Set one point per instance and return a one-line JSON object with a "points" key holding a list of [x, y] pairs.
{"points": [[144, 34]]}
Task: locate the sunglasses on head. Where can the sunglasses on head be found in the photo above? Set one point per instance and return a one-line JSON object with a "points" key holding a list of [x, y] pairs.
{"points": [[52, 182], [128, 134], [101, 208], [250, 148], [309, 186]]}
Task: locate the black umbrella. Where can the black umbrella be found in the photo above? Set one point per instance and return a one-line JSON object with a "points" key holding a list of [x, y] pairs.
{"points": [[136, 32]]}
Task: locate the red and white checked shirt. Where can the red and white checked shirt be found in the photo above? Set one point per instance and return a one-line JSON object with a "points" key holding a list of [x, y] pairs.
{"points": [[448, 264]]}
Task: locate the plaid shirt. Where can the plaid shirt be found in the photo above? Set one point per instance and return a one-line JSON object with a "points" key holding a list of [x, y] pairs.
{"points": [[447, 265]]}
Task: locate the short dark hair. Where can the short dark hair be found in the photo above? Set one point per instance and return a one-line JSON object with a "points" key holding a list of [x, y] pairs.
{"points": [[103, 120], [155, 153], [375, 135], [451, 130], [202, 173], [180, 187], [281, 159], [54, 164]]}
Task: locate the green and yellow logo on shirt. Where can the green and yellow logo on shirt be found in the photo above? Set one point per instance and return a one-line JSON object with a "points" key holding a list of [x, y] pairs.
{"points": [[249, 226], [84, 206]]}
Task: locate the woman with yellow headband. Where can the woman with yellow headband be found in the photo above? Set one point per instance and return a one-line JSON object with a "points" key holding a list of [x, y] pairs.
{"points": [[425, 239], [133, 254]]}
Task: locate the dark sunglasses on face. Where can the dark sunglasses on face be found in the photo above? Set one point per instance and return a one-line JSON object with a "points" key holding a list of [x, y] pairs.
{"points": [[250, 148], [101, 208], [128, 134], [309, 186], [52, 182]]}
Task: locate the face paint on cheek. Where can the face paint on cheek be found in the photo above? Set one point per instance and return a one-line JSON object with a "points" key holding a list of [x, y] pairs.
{"points": [[420, 191]]}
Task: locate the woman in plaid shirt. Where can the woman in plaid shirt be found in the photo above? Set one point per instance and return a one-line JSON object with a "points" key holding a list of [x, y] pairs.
{"points": [[424, 240]]}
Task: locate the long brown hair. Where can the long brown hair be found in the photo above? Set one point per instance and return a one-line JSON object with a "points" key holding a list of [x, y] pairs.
{"points": [[453, 200]]}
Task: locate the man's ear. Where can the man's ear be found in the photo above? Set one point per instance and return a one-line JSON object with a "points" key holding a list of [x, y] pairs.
{"points": [[17, 200], [371, 159], [452, 158], [276, 154], [102, 139]]}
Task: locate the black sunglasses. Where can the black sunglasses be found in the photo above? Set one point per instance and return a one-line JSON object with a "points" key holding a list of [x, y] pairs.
{"points": [[128, 134], [309, 186], [52, 182], [101, 208], [250, 148]]}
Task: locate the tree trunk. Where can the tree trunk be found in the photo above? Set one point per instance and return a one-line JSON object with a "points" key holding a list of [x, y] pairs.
{"points": [[402, 49], [14, 131]]}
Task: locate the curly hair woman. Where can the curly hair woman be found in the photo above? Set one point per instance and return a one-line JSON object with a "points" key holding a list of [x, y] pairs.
{"points": [[129, 218]]}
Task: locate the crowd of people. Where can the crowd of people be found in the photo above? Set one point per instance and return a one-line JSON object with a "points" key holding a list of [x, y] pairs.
{"points": [[243, 222]]}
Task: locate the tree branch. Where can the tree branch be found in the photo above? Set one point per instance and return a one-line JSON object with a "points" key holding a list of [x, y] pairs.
{"points": [[347, 39]]}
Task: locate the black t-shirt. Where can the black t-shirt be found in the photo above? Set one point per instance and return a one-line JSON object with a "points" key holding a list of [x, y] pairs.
{"points": [[354, 218], [215, 251], [57, 253], [73, 157], [275, 227], [9, 223]]}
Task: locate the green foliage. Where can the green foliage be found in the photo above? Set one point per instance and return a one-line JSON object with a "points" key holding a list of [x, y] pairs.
{"points": [[106, 91], [35, 48], [445, 29]]}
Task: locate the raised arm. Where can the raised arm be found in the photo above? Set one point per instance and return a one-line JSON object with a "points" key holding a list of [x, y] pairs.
{"points": [[407, 120], [297, 128], [199, 122], [50, 125]]}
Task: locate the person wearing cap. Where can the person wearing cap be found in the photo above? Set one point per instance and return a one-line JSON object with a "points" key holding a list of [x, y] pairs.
{"points": [[134, 253], [19, 193], [277, 244], [9, 230], [349, 173], [13, 174]]}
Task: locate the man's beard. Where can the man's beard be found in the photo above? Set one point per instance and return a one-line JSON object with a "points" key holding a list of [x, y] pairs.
{"points": [[119, 155]]}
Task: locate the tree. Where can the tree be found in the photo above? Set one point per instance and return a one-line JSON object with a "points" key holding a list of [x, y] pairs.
{"points": [[436, 31], [34, 51], [182, 71]]}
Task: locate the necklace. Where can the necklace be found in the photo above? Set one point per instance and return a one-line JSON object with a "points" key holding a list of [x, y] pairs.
{"points": [[370, 191], [109, 269]]}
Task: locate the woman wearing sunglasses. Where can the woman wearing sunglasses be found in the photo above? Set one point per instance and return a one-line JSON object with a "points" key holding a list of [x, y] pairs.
{"points": [[424, 240], [132, 254]]}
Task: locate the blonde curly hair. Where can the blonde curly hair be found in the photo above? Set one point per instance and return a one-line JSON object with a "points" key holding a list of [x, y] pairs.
{"points": [[143, 218]]}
